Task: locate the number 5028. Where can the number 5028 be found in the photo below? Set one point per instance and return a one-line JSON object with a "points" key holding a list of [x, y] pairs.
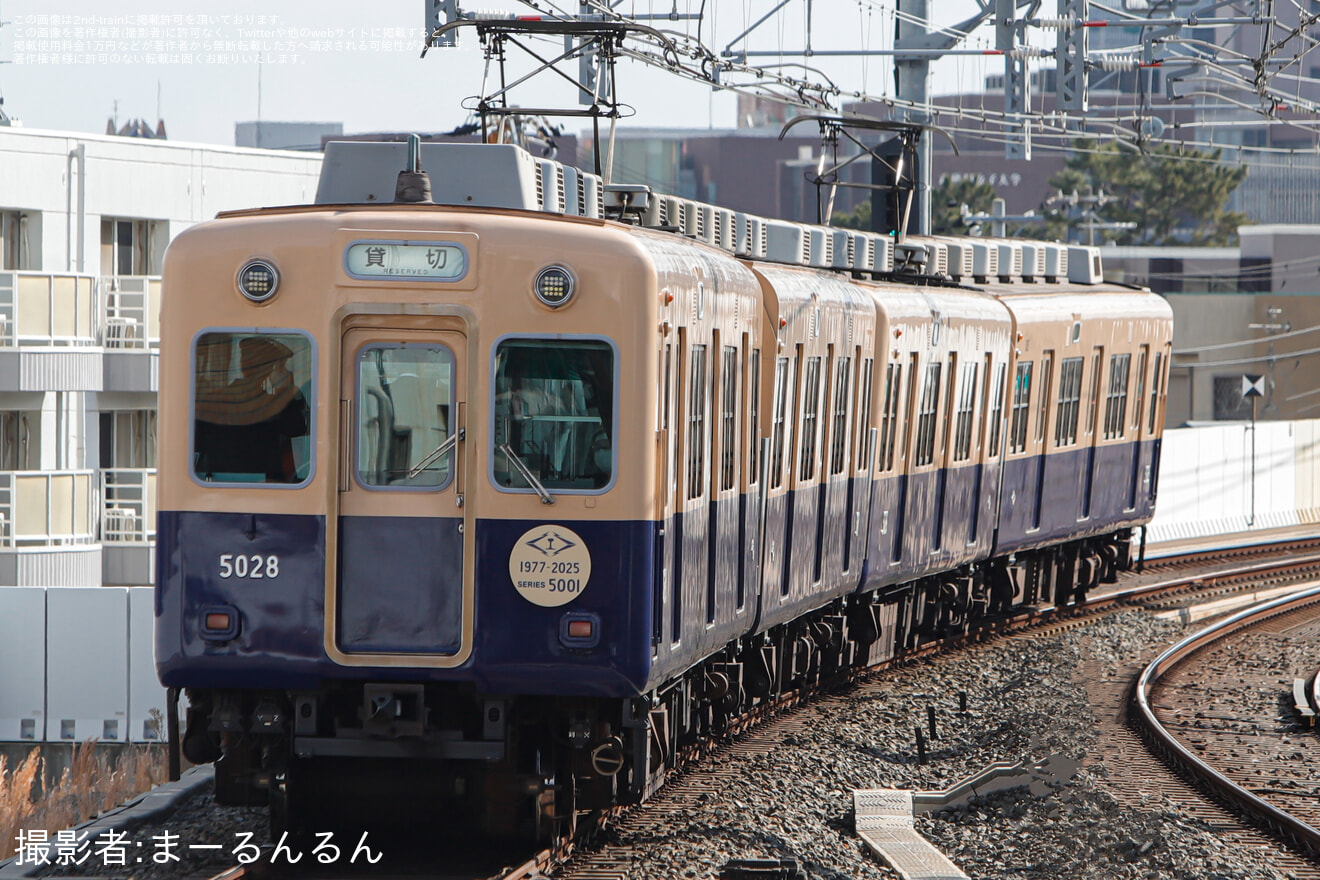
{"points": [[255, 567]]}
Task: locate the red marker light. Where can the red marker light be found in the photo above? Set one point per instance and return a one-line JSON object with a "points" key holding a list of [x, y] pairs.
{"points": [[783, 322], [579, 629], [217, 621]]}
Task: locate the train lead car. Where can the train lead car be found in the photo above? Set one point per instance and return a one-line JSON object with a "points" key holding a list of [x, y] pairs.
{"points": [[494, 489]]}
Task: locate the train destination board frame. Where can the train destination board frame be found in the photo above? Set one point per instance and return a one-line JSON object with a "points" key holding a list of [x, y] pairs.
{"points": [[406, 260]]}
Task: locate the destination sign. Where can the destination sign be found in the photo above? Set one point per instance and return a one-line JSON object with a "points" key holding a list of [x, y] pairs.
{"points": [[406, 260]]}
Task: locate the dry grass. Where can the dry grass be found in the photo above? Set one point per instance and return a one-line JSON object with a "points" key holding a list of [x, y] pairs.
{"points": [[93, 782]]}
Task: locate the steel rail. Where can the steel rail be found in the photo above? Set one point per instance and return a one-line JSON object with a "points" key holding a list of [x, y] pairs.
{"points": [[1278, 822]]}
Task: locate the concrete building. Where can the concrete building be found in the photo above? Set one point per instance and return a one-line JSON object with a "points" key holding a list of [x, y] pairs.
{"points": [[84, 222]]}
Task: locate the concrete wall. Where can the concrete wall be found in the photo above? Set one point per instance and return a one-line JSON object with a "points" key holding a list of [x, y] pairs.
{"points": [[1209, 484]]}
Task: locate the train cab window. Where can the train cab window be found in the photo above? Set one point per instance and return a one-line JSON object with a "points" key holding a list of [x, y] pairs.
{"points": [[554, 415], [405, 399], [1116, 401], [1017, 433], [251, 413]]}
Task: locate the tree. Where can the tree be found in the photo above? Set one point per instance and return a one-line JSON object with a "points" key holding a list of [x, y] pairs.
{"points": [[947, 199], [946, 202], [857, 218], [1173, 196]]}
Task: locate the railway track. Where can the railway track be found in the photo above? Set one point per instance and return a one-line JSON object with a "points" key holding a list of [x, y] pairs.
{"points": [[1214, 706], [1165, 584]]}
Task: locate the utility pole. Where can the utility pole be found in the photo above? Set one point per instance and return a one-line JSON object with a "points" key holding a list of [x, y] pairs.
{"points": [[912, 83]]}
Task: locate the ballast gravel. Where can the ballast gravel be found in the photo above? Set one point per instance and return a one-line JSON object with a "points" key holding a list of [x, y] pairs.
{"points": [[1025, 701]]}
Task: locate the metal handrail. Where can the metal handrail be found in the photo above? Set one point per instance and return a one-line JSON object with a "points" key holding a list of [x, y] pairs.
{"points": [[131, 317], [128, 505]]}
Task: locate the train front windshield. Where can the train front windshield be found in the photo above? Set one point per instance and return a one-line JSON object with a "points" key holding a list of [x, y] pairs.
{"points": [[251, 412], [554, 414]]}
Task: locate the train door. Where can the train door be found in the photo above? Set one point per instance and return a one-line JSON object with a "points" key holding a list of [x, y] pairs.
{"points": [[401, 586], [1042, 420], [1087, 475], [1138, 399]]}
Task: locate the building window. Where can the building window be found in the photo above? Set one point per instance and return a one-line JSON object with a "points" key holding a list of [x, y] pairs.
{"points": [[126, 247], [19, 446], [128, 439], [15, 248]]}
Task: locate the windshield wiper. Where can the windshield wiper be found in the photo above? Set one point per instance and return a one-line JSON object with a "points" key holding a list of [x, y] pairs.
{"points": [[440, 450], [526, 473]]}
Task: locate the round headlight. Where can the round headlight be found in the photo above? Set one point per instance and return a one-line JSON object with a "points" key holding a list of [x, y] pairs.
{"points": [[554, 286], [258, 280]]}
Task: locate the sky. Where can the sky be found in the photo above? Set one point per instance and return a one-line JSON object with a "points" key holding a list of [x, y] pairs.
{"points": [[357, 63]]}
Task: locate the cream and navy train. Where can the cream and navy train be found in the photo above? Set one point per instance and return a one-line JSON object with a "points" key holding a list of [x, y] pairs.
{"points": [[494, 501]]}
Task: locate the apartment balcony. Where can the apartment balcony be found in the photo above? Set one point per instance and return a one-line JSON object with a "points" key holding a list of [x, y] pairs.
{"points": [[131, 332], [48, 332], [128, 526], [48, 529]]}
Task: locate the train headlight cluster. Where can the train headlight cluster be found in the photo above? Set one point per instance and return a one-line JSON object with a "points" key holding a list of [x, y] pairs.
{"points": [[554, 286], [258, 280]]}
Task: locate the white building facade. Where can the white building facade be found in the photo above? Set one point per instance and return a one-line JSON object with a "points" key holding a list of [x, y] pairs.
{"points": [[84, 223]]}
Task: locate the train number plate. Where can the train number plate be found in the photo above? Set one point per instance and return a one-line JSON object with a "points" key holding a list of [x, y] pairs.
{"points": [[252, 566]]}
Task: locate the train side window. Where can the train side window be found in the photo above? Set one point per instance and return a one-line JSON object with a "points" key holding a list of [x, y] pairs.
{"points": [[1116, 401], [1138, 396], [810, 419], [554, 413], [1155, 390], [863, 443], [962, 431], [405, 396], [696, 422], [926, 418], [1070, 401], [753, 433], [252, 417], [997, 412], [1017, 434], [728, 417], [839, 430], [778, 428]]}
